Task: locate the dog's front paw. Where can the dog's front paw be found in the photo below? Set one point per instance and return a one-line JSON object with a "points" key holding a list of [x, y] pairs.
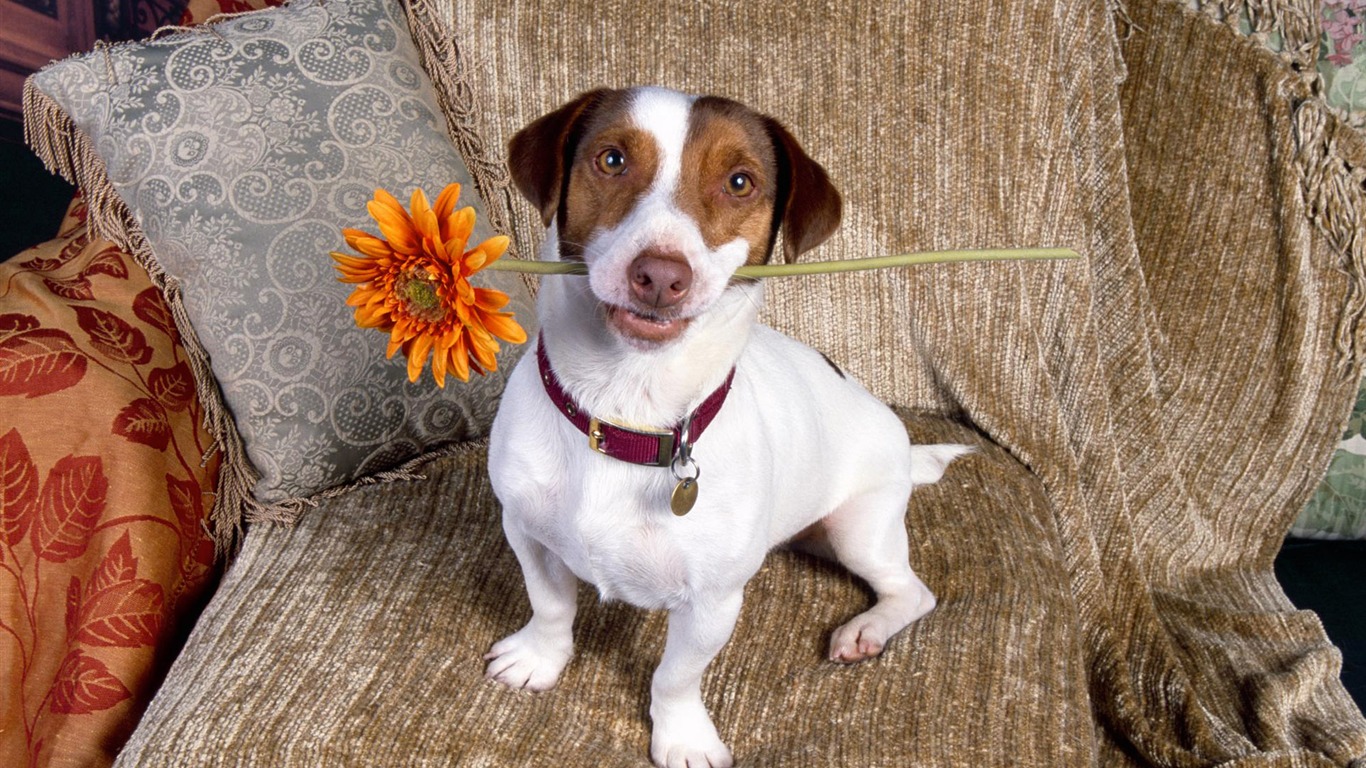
{"points": [[688, 742], [522, 660]]}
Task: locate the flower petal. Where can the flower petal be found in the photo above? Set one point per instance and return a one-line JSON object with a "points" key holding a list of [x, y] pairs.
{"points": [[394, 222], [368, 244], [502, 325], [455, 249], [460, 359], [417, 355], [492, 248], [357, 276], [490, 299], [372, 316], [359, 297], [417, 203], [461, 224], [464, 291], [483, 351], [445, 202], [439, 360], [427, 227], [352, 263]]}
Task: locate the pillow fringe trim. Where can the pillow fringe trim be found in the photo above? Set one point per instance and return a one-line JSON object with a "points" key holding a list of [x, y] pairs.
{"points": [[290, 511], [67, 151], [445, 65]]}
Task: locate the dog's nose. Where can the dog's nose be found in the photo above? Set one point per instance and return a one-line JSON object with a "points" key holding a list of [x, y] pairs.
{"points": [[660, 279]]}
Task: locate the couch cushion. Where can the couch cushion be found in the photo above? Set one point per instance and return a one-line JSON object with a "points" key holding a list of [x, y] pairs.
{"points": [[103, 551], [359, 635], [240, 150]]}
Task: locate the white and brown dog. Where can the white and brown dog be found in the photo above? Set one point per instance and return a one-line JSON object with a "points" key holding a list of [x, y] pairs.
{"points": [[661, 442]]}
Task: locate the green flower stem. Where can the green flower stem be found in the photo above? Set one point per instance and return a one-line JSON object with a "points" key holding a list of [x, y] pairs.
{"points": [[821, 267]]}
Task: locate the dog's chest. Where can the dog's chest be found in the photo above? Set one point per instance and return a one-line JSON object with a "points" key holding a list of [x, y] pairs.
{"points": [[615, 532]]}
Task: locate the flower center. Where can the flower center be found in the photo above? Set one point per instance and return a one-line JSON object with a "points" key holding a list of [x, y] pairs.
{"points": [[417, 288]]}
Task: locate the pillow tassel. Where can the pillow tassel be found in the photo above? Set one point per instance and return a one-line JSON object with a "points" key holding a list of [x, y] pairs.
{"points": [[66, 150]]}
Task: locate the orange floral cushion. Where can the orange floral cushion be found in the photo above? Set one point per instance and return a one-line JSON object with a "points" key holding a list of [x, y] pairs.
{"points": [[104, 555]]}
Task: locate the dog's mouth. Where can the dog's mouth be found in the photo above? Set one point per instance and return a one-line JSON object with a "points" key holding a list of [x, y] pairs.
{"points": [[644, 326]]}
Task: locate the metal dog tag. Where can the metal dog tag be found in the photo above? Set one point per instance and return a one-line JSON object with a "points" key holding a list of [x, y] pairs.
{"points": [[683, 498]]}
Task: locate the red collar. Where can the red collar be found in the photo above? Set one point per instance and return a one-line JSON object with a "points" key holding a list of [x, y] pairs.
{"points": [[652, 449]]}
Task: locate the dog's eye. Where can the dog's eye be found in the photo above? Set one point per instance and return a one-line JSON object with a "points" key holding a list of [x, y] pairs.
{"points": [[611, 162], [739, 185]]}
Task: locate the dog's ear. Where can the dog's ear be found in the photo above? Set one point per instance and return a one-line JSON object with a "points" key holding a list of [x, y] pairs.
{"points": [[539, 154], [808, 205]]}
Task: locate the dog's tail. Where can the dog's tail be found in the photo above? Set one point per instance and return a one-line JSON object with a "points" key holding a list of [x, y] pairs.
{"points": [[928, 462]]}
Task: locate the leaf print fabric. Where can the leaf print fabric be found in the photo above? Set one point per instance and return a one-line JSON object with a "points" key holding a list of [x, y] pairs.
{"points": [[103, 550], [36, 361]]}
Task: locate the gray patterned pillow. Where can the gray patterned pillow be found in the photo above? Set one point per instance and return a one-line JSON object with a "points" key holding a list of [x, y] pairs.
{"points": [[242, 150]]}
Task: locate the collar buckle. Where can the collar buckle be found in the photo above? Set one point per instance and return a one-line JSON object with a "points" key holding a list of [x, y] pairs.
{"points": [[596, 440], [599, 432]]}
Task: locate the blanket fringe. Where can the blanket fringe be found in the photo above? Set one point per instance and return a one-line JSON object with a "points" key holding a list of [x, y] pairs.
{"points": [[1330, 152], [1289, 28], [1335, 194]]}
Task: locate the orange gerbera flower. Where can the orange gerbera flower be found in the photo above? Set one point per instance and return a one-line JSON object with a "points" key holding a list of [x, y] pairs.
{"points": [[413, 281]]}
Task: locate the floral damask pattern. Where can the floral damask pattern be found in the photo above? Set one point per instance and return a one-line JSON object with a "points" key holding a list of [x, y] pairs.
{"points": [[243, 152], [103, 548]]}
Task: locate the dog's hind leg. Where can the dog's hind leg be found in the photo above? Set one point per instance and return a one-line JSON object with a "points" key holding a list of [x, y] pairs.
{"points": [[534, 656], [868, 536]]}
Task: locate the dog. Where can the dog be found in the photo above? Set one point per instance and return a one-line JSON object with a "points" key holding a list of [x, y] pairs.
{"points": [[660, 442]]}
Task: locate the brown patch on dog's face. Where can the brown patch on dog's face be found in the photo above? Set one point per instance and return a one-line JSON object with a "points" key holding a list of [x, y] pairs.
{"points": [[729, 177], [728, 184], [613, 166], [742, 175]]}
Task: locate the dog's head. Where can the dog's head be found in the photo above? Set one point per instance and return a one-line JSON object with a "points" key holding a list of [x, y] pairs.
{"points": [[665, 195]]}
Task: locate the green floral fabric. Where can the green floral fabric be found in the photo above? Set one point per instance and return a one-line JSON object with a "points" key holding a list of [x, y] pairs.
{"points": [[1338, 509]]}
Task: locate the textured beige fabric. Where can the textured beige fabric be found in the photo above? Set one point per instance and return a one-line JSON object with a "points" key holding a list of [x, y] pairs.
{"points": [[1247, 297], [356, 638], [951, 125], [1152, 417]]}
